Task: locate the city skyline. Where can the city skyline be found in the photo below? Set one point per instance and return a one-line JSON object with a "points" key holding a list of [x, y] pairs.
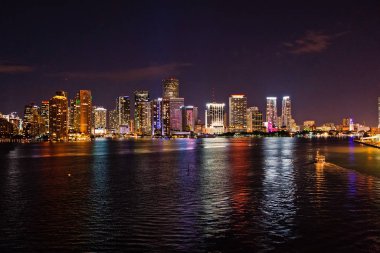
{"points": [[329, 67]]}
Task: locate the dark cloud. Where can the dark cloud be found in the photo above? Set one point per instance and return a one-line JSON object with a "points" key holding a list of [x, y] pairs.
{"points": [[311, 42], [14, 68], [136, 74]]}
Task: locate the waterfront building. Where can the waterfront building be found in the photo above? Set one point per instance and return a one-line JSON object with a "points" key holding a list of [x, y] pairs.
{"points": [[215, 118], [309, 125], [189, 118], [175, 116], [157, 119], [165, 117], [15, 120], [123, 108], [45, 115], [170, 88], [238, 113], [142, 113], [33, 125], [286, 115], [347, 124], [100, 120], [74, 115], [254, 119], [85, 111], [58, 115], [271, 114]]}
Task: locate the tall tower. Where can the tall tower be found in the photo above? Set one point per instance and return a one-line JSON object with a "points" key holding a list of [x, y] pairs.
{"points": [[100, 120], [214, 117], [170, 88], [286, 115], [45, 115], [271, 113], [157, 119], [254, 119], [189, 117], [123, 108], [142, 113], [58, 113], [238, 113], [85, 111]]}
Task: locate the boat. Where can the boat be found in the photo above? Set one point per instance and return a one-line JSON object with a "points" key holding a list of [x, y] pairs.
{"points": [[320, 159]]}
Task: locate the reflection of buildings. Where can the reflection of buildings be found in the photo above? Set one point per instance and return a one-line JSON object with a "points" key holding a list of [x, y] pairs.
{"points": [[215, 118], [58, 113], [271, 114], [238, 113]]}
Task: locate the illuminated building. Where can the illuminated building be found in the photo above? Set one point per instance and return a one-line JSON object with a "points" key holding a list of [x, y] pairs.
{"points": [[85, 111], [175, 113], [215, 118], [100, 120], [309, 125], [348, 124], [123, 108], [6, 128], [378, 105], [166, 117], [157, 119], [254, 119], [238, 113], [58, 114], [15, 120], [142, 113], [271, 114], [74, 114], [286, 115], [113, 120], [45, 115], [33, 125], [170, 88], [189, 118]]}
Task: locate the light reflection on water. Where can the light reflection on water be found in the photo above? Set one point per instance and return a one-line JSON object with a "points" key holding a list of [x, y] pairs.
{"points": [[190, 195]]}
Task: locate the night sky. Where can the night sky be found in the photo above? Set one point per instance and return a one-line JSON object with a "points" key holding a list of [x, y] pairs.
{"points": [[325, 56]]}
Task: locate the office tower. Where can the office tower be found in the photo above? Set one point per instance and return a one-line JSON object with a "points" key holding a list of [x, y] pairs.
{"points": [[123, 108], [74, 114], [142, 113], [45, 115], [176, 114], [271, 114], [33, 125], [254, 119], [309, 125], [170, 88], [113, 123], [286, 115], [238, 113], [215, 118], [85, 111], [189, 118], [58, 114], [166, 117], [15, 120], [100, 120], [157, 119]]}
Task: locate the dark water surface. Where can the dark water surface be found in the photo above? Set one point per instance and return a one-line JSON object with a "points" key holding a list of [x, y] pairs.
{"points": [[207, 195]]}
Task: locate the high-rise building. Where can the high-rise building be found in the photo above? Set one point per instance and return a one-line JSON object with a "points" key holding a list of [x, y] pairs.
{"points": [[170, 88], [271, 114], [348, 124], [175, 113], [189, 118], [45, 115], [123, 108], [33, 125], [58, 114], [254, 119], [309, 125], [166, 117], [215, 118], [378, 105], [157, 119], [85, 111], [142, 113], [100, 119], [286, 115], [74, 115], [113, 124], [238, 113]]}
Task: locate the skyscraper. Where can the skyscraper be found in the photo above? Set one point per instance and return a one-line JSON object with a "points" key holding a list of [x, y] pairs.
{"points": [[286, 115], [100, 120], [157, 119], [85, 111], [113, 121], [176, 114], [165, 116], [215, 118], [142, 113], [271, 114], [254, 119], [74, 114], [45, 115], [189, 117], [123, 108], [58, 112], [33, 125], [238, 113], [170, 88]]}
